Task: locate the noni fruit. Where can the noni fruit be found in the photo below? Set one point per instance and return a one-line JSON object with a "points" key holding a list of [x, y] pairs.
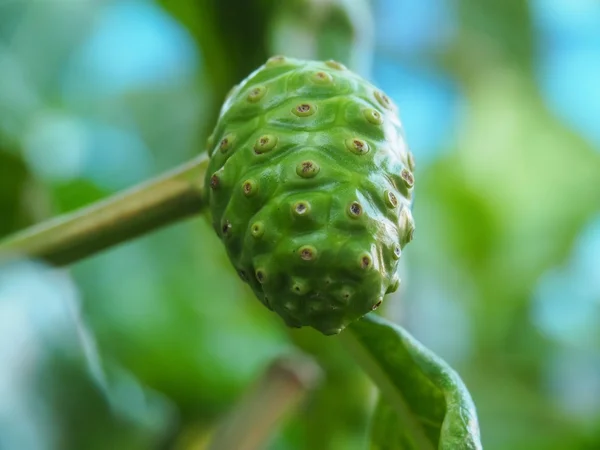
{"points": [[310, 185]]}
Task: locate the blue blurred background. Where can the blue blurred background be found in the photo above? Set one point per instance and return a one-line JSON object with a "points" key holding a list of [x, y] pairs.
{"points": [[147, 345]]}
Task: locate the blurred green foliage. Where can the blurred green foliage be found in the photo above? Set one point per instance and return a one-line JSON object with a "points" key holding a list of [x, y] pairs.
{"points": [[500, 205]]}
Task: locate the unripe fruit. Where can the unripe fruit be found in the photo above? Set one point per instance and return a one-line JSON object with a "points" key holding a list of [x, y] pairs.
{"points": [[310, 187]]}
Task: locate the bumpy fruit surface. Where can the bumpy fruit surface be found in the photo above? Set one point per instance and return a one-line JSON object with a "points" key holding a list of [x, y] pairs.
{"points": [[310, 187]]}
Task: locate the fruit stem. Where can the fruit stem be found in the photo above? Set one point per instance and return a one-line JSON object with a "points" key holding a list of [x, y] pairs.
{"points": [[277, 392], [84, 232]]}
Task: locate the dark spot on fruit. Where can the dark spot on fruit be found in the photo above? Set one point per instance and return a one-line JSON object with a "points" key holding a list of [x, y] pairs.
{"points": [[307, 169], [357, 146], [226, 143], [258, 229], [373, 116], [226, 228], [397, 252], [275, 61], [214, 181], [322, 78], [301, 208], [304, 109], [377, 305], [365, 261], [335, 65], [407, 177], [383, 100], [307, 253], [299, 286], [390, 199], [265, 143], [261, 276], [257, 93], [249, 188], [355, 209], [345, 295]]}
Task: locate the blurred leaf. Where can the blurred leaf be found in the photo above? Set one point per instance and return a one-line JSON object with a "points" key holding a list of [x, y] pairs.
{"points": [[494, 32], [513, 198], [12, 14], [385, 432], [182, 323], [74, 194], [231, 35], [13, 176], [433, 407], [56, 390], [335, 415], [86, 418], [338, 29]]}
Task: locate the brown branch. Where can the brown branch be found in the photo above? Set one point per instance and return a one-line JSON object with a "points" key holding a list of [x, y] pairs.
{"points": [[281, 388], [74, 236]]}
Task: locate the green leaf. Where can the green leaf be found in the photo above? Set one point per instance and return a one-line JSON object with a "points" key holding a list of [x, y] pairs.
{"points": [[425, 403], [334, 416], [387, 430]]}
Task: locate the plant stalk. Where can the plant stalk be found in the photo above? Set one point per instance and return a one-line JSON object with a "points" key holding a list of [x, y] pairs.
{"points": [[147, 207], [278, 391]]}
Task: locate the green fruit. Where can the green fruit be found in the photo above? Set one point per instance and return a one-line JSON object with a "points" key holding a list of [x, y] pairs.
{"points": [[310, 187]]}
